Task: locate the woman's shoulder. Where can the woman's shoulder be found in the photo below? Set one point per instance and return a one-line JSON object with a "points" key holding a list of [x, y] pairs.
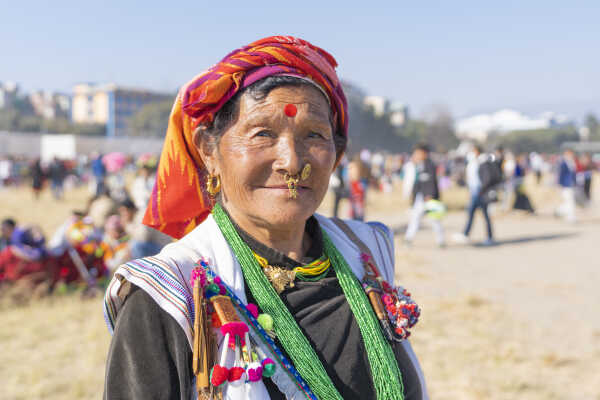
{"points": [[371, 237], [364, 230]]}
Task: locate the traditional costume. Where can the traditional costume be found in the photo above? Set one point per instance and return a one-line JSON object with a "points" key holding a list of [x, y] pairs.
{"points": [[218, 313]]}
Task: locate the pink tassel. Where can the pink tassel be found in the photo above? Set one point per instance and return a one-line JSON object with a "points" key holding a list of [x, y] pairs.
{"points": [[253, 308]]}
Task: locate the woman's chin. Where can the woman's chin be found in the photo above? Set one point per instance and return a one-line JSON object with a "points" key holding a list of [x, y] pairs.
{"points": [[285, 212]]}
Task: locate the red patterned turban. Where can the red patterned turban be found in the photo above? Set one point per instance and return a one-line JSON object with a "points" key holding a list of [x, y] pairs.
{"points": [[179, 200]]}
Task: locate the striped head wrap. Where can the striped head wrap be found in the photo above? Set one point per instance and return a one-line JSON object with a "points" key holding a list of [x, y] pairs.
{"points": [[179, 201]]}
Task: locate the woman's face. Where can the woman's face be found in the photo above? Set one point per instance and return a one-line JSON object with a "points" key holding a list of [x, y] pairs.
{"points": [[263, 145]]}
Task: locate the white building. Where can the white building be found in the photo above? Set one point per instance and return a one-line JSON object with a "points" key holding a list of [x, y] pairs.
{"points": [[479, 127], [398, 113], [8, 93], [379, 104], [50, 105]]}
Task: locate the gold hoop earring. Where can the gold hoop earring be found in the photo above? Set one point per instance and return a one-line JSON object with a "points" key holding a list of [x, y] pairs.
{"points": [[213, 190]]}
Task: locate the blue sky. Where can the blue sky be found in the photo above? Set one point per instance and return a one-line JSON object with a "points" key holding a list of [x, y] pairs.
{"points": [[470, 55]]}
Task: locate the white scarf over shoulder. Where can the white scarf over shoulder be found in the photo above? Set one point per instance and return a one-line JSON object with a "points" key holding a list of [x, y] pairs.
{"points": [[165, 277]]}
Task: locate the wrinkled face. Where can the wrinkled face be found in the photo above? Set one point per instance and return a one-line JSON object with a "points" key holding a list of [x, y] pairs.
{"points": [[266, 143]]}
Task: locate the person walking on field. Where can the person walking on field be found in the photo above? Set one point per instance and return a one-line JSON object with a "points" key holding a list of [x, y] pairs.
{"points": [[482, 176], [420, 181], [567, 180], [57, 174]]}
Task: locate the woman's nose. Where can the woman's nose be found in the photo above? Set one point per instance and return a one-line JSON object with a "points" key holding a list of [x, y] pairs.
{"points": [[289, 157]]}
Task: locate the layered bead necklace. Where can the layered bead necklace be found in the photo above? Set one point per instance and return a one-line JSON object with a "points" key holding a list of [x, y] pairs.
{"points": [[386, 375]]}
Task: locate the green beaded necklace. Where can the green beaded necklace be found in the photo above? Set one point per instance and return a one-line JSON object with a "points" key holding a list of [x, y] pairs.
{"points": [[386, 376]]}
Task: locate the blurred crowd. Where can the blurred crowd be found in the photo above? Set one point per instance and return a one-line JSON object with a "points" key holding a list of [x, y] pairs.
{"points": [[96, 239], [93, 241], [463, 167]]}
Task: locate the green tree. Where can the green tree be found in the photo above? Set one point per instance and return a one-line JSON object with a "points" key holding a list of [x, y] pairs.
{"points": [[8, 119], [591, 121], [440, 134], [541, 140], [152, 119]]}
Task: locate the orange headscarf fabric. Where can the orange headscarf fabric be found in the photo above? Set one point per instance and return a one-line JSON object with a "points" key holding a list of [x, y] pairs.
{"points": [[179, 200]]}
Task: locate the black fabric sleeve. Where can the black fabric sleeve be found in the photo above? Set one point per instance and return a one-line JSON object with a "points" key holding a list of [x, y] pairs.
{"points": [[410, 376], [149, 355]]}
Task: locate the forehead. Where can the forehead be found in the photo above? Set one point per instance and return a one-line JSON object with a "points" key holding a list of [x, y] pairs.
{"points": [[309, 99]]}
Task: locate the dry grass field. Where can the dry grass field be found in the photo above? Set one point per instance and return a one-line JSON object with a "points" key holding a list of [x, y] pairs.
{"points": [[514, 321]]}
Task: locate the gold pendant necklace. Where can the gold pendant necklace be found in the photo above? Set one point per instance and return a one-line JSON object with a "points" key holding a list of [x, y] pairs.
{"points": [[280, 278]]}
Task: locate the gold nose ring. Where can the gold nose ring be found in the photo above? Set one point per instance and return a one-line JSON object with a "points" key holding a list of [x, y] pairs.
{"points": [[292, 184]]}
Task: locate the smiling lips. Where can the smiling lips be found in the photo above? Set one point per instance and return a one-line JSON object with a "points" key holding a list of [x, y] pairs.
{"points": [[284, 187]]}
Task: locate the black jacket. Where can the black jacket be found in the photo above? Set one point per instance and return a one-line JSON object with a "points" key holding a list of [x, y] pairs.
{"points": [[426, 181]]}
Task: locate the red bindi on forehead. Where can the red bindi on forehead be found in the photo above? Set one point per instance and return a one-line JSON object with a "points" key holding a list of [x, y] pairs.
{"points": [[290, 110]]}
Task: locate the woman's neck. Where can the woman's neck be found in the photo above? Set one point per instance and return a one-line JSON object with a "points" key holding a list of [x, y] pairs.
{"points": [[290, 240]]}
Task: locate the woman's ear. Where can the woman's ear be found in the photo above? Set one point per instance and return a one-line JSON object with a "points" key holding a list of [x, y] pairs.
{"points": [[206, 147]]}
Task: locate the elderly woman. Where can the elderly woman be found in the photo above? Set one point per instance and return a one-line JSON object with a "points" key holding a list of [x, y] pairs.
{"points": [[261, 297]]}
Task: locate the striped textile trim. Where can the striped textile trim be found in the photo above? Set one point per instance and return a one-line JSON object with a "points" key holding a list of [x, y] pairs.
{"points": [[159, 281]]}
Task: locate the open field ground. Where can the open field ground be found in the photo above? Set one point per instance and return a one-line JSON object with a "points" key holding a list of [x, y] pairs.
{"points": [[514, 321]]}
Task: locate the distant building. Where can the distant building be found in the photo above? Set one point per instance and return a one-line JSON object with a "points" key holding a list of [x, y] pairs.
{"points": [[50, 105], [479, 127], [379, 104], [111, 105], [8, 94], [398, 113]]}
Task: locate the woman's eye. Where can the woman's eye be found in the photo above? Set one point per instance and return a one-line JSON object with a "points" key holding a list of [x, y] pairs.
{"points": [[264, 134], [315, 135]]}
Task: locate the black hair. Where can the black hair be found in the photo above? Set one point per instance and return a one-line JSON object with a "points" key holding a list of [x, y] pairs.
{"points": [[259, 90], [422, 146], [128, 204], [9, 222]]}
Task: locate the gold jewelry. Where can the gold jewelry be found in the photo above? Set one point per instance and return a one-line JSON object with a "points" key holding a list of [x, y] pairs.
{"points": [[213, 190], [305, 174], [292, 184], [280, 278]]}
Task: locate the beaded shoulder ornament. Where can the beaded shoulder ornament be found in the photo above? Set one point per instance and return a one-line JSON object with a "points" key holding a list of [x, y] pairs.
{"points": [[395, 309]]}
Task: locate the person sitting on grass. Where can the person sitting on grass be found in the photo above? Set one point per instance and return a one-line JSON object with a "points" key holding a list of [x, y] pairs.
{"points": [[23, 251]]}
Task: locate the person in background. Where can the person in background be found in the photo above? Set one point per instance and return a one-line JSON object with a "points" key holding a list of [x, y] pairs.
{"points": [[99, 171], [522, 201], [537, 164], [585, 170], [567, 181], [116, 186], [422, 185], [5, 168], [508, 167], [142, 186], [357, 188], [37, 177], [115, 243], [57, 174], [143, 240], [22, 252], [478, 191], [340, 187]]}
